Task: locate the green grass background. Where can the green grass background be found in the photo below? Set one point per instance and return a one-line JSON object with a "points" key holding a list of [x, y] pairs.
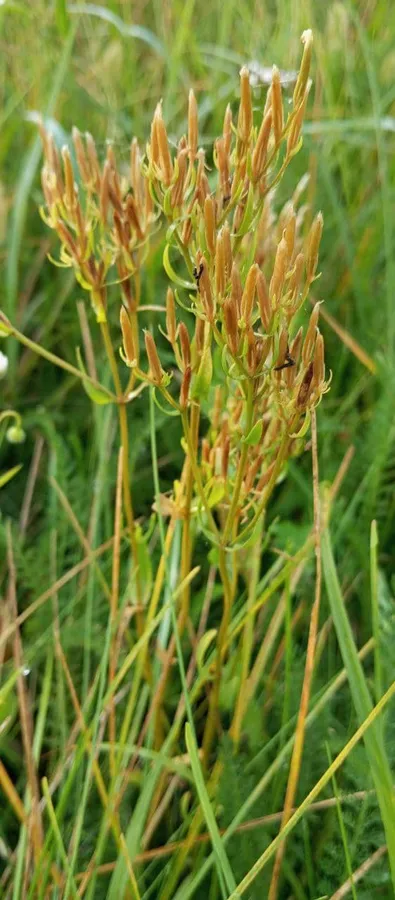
{"points": [[103, 68]]}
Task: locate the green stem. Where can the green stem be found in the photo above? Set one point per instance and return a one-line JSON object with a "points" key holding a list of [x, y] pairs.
{"points": [[231, 517], [58, 361], [127, 495], [197, 475]]}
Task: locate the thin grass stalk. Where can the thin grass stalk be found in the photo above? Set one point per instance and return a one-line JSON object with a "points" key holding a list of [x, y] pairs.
{"points": [[115, 601], [308, 672]]}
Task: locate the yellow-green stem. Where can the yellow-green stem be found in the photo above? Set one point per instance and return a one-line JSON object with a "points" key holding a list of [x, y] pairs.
{"points": [[127, 495]]}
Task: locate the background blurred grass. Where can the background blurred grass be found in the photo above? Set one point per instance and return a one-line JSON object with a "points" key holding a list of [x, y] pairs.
{"points": [[103, 68]]}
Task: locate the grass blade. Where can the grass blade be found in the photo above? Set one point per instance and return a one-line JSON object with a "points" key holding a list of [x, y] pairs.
{"points": [[375, 749], [208, 810]]}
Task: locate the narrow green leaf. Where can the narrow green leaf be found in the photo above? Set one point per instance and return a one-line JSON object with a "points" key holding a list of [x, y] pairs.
{"points": [[94, 393], [6, 476], [208, 812], [378, 761]]}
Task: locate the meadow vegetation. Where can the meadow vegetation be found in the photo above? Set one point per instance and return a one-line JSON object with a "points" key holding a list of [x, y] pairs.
{"points": [[197, 450]]}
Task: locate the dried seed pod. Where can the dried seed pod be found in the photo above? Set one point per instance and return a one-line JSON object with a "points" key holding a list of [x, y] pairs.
{"points": [[227, 129], [185, 345], [311, 334], [205, 290], [171, 322], [199, 334], [259, 155], [244, 122], [70, 189], [127, 337], [305, 387], [67, 238], [133, 216], [283, 353], [185, 387], [165, 161], [279, 272], [231, 325], [236, 289], [223, 165], [247, 300], [251, 356], [193, 128], [228, 256], [220, 269], [319, 362], [265, 308], [313, 246], [82, 160], [209, 223], [153, 358], [296, 127], [277, 106], [104, 192], [177, 194], [290, 232], [304, 71], [296, 276]]}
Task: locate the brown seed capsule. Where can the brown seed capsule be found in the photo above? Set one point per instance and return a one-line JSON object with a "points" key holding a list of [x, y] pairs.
{"points": [[70, 190], [319, 362], [67, 238], [251, 356], [127, 337], [302, 79], [185, 386], [205, 290], [192, 126], [244, 122], [247, 300], [223, 165], [279, 272], [220, 270], [282, 353], [199, 334], [227, 129], [186, 234], [171, 323], [231, 325], [135, 170], [236, 289], [296, 276], [296, 127], [265, 309], [228, 256], [185, 345], [209, 223], [289, 234], [82, 160], [304, 390], [313, 246], [166, 164], [104, 191], [55, 164], [277, 106], [259, 155], [153, 358], [177, 194], [133, 216], [311, 334], [265, 478]]}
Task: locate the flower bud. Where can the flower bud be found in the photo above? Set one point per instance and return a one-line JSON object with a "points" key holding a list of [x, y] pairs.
{"points": [[171, 323], [277, 106], [313, 246], [192, 126], [185, 345]]}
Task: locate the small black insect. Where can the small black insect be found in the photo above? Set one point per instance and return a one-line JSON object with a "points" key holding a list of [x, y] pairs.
{"points": [[197, 274], [289, 362]]}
